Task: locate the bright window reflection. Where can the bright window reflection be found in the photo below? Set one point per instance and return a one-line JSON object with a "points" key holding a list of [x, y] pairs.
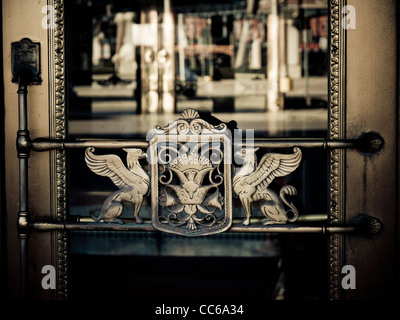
{"points": [[134, 61]]}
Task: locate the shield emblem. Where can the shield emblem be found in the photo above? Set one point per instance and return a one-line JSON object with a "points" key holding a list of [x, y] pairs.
{"points": [[190, 163]]}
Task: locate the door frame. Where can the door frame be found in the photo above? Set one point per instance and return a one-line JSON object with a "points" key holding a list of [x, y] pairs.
{"points": [[48, 101], [336, 131]]}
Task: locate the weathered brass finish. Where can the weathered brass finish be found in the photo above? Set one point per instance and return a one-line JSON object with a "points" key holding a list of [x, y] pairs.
{"points": [[180, 152], [337, 131], [133, 183], [250, 183], [363, 226], [25, 64], [191, 151], [366, 143], [187, 151], [337, 142], [23, 215]]}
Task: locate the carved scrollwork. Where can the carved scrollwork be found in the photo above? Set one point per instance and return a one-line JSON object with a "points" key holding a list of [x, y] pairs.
{"points": [[191, 186], [191, 197], [56, 49], [190, 123], [191, 176]]}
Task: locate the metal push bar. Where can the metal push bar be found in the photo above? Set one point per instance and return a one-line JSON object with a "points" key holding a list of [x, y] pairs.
{"points": [[368, 142], [364, 225]]}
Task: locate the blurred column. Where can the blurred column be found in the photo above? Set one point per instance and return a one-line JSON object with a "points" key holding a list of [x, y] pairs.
{"points": [[242, 44], [306, 40], [148, 35], [273, 95], [181, 47], [124, 58], [293, 53], [285, 84], [244, 34], [166, 60]]}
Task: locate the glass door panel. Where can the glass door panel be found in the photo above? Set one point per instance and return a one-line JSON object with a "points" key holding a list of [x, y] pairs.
{"points": [[255, 65]]}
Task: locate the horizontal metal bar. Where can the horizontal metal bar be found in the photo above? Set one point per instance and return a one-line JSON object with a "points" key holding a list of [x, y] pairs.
{"points": [[306, 143], [41, 144], [312, 217], [363, 225], [236, 228]]}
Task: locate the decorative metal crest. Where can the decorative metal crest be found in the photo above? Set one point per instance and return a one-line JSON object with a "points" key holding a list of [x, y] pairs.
{"points": [[191, 179], [191, 176]]}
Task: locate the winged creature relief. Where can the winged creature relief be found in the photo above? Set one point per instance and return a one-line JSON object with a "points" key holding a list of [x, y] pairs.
{"points": [[251, 182], [192, 191], [133, 182]]}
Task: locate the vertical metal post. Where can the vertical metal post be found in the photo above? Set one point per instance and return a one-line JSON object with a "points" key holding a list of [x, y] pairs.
{"points": [[23, 155], [25, 67]]}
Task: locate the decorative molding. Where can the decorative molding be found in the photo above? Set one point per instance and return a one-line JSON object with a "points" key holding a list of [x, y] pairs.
{"points": [[57, 117], [337, 156], [336, 131]]}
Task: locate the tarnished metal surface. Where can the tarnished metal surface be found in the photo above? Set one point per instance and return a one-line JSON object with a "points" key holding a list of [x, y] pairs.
{"points": [[251, 183], [337, 136], [191, 187], [133, 183], [191, 162], [191, 165], [363, 225], [25, 62], [367, 142]]}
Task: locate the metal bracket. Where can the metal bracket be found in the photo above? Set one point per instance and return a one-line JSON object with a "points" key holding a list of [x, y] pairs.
{"points": [[23, 144], [25, 62]]}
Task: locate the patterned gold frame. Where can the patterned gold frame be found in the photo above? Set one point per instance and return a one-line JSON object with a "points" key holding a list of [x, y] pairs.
{"points": [[58, 130], [337, 105]]}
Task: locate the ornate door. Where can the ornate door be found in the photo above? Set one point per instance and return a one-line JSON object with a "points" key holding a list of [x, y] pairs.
{"points": [[269, 143]]}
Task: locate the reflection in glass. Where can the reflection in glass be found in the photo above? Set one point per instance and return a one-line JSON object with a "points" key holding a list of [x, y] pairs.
{"points": [[143, 59], [132, 65]]}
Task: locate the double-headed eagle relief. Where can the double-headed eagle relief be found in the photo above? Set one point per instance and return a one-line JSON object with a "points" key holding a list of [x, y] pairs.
{"points": [[190, 179]]}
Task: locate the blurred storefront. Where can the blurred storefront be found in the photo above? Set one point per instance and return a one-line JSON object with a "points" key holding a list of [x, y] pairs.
{"points": [[212, 55]]}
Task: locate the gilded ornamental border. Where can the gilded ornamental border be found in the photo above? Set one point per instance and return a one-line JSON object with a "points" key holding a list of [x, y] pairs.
{"points": [[57, 116], [337, 156]]}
